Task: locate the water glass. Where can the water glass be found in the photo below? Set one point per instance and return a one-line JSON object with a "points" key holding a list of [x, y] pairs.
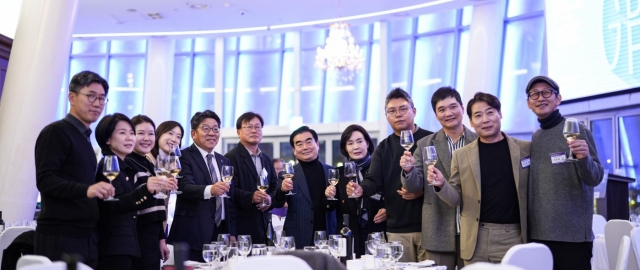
{"points": [[259, 250], [288, 243]]}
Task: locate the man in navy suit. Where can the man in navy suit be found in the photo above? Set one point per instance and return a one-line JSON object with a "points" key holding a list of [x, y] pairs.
{"points": [[308, 209], [201, 214]]}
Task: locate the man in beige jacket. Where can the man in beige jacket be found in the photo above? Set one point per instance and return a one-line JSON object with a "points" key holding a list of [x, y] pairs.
{"points": [[493, 214]]}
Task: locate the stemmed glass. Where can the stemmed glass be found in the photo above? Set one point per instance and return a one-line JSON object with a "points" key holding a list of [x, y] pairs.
{"points": [[350, 171], [175, 151], [335, 247], [288, 243], [233, 252], [397, 249], [277, 241], [571, 131], [210, 253], [227, 175], [288, 173], [111, 170], [263, 185], [224, 240], [259, 250], [406, 141], [244, 245], [333, 180], [320, 239], [162, 165], [383, 253], [430, 157], [174, 169]]}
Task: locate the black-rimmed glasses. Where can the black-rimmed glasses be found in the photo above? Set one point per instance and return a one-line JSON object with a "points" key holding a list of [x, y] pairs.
{"points": [[92, 98], [207, 129], [545, 94]]}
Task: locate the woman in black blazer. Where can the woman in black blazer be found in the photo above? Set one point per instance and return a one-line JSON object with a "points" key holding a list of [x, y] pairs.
{"points": [[366, 215], [117, 236], [151, 221]]}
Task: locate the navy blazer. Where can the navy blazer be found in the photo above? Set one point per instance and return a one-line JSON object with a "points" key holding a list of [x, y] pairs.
{"points": [[117, 234], [299, 221], [194, 217], [250, 220]]}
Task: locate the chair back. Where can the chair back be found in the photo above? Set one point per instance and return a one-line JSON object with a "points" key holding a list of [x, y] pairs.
{"points": [[531, 256], [27, 260], [623, 254], [598, 224], [7, 236], [614, 231], [275, 262], [635, 244]]}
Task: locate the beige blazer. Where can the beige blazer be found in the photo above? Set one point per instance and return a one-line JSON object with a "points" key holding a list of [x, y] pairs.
{"points": [[463, 189]]}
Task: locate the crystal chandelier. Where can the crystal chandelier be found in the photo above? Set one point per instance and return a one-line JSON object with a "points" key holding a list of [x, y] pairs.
{"points": [[340, 52]]}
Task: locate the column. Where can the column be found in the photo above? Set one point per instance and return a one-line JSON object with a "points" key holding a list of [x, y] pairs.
{"points": [[385, 77], [29, 100], [158, 79]]}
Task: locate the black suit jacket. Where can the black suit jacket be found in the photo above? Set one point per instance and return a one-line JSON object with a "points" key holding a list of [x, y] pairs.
{"points": [[194, 217], [250, 220], [117, 234]]}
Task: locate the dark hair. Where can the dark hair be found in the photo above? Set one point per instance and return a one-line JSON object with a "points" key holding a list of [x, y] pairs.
{"points": [[398, 93], [105, 129], [277, 160], [544, 79], [246, 117], [301, 130], [346, 134], [490, 99], [140, 119], [86, 78], [443, 93], [163, 128], [200, 116]]}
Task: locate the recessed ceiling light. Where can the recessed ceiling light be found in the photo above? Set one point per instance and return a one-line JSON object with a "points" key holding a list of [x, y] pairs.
{"points": [[132, 10], [227, 5], [198, 6]]}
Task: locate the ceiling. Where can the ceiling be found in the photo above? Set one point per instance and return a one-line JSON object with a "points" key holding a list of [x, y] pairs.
{"points": [[136, 17]]}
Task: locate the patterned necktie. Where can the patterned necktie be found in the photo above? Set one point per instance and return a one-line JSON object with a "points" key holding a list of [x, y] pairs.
{"points": [[214, 178]]}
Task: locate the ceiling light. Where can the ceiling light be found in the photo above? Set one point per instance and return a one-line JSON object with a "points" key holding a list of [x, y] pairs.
{"points": [[340, 52], [198, 6]]}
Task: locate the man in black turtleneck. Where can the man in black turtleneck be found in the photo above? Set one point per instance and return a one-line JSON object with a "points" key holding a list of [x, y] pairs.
{"points": [[308, 209], [560, 192]]}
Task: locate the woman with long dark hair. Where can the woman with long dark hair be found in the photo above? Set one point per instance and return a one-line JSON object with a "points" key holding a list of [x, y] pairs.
{"points": [[168, 134], [150, 224], [117, 234], [366, 215]]}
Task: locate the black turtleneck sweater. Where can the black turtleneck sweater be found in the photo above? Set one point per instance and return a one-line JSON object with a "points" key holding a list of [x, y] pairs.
{"points": [[551, 121], [316, 180]]}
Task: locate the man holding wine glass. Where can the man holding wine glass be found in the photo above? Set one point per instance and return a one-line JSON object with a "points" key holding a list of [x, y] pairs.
{"points": [[489, 176], [251, 167], [440, 222], [404, 212], [201, 212], [561, 190]]}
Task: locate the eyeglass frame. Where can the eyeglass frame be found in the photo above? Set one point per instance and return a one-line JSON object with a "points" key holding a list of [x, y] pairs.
{"points": [[541, 93], [101, 100], [399, 110], [206, 129], [251, 128]]}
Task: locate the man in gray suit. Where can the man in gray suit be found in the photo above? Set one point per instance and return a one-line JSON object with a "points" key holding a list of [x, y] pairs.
{"points": [[440, 222], [308, 209]]}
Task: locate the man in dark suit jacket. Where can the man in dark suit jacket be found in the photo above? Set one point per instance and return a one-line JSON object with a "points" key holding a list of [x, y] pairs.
{"points": [[250, 165], [308, 209], [65, 175], [201, 214]]}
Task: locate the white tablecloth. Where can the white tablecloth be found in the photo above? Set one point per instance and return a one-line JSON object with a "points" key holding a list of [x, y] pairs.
{"points": [[599, 261]]}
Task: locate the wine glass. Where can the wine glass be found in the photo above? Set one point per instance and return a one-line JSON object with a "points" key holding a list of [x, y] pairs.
{"points": [[175, 151], [162, 170], [335, 247], [430, 157], [277, 241], [233, 252], [227, 175], [288, 173], [333, 180], [209, 253], [263, 185], [320, 239], [224, 238], [571, 131], [383, 253], [174, 170], [259, 250], [406, 141], [244, 245], [223, 249], [288, 243], [350, 171], [397, 249], [111, 170]]}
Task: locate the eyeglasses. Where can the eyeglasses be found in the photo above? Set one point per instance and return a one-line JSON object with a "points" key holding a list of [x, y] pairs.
{"points": [[92, 98], [206, 130], [394, 112], [250, 128], [545, 94]]}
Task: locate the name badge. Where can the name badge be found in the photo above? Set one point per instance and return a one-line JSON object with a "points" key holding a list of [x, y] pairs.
{"points": [[558, 158], [376, 197], [525, 162]]}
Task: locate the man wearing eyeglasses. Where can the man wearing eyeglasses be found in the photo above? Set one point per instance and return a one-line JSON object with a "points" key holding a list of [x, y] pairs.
{"points": [[404, 209], [250, 165], [65, 175], [561, 192], [201, 213]]}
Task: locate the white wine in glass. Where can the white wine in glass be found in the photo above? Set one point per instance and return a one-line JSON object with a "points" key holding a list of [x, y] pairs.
{"points": [[350, 172], [111, 170], [571, 131], [227, 175], [333, 180], [430, 157], [263, 185], [174, 169], [162, 170], [406, 139], [288, 173]]}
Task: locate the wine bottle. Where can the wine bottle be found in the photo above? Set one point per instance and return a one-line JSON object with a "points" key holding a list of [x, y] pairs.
{"points": [[269, 234], [346, 232]]}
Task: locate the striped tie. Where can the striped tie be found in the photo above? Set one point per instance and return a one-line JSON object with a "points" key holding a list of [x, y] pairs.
{"points": [[214, 178]]}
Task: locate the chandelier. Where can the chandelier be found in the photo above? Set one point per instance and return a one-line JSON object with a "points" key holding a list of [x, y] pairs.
{"points": [[340, 52]]}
